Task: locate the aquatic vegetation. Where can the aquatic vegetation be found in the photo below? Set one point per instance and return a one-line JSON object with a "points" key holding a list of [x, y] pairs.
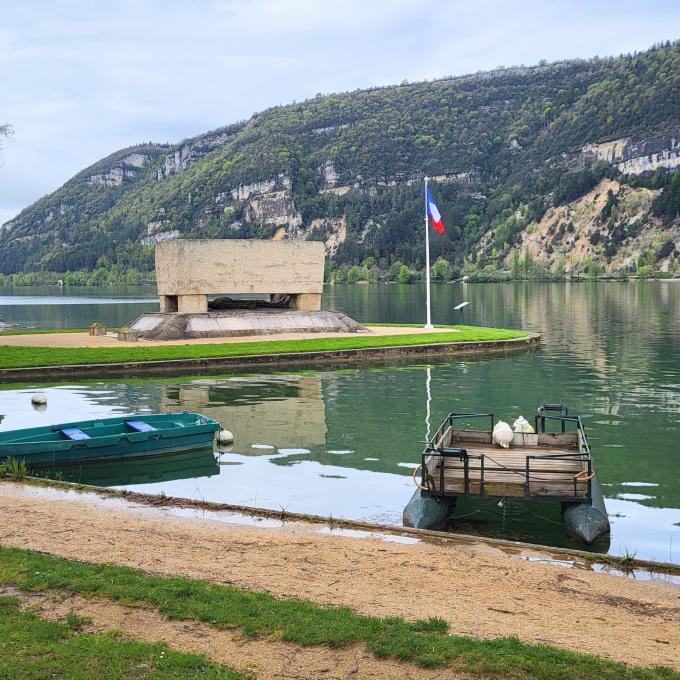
{"points": [[15, 468]]}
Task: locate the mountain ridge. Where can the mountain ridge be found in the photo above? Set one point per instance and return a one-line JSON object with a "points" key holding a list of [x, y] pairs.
{"points": [[502, 146]]}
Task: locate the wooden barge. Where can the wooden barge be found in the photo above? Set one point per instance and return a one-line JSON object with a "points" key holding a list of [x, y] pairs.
{"points": [[539, 465]]}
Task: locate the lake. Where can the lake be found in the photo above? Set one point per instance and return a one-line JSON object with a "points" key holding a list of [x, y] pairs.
{"points": [[344, 442]]}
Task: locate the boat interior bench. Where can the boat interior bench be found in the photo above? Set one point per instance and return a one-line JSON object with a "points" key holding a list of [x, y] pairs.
{"points": [[139, 426], [74, 433]]}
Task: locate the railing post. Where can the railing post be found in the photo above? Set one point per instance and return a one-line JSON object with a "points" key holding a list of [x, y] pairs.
{"points": [[481, 477], [441, 474], [526, 478]]}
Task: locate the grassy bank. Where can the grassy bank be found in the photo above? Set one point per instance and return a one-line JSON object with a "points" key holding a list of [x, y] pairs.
{"points": [[42, 331], [32, 648], [304, 623], [12, 356]]}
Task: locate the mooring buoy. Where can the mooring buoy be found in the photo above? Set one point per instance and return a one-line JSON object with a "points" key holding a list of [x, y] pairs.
{"points": [[225, 437], [39, 399]]}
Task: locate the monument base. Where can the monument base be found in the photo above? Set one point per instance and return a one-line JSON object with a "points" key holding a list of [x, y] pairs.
{"points": [[241, 322]]}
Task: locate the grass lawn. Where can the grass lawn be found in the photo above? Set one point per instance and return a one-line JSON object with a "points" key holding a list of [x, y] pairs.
{"points": [[34, 649], [13, 356], [43, 331], [426, 643]]}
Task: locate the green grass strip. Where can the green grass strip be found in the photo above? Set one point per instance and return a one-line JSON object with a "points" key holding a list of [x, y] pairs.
{"points": [[34, 649], [305, 623], [42, 331], [13, 356]]}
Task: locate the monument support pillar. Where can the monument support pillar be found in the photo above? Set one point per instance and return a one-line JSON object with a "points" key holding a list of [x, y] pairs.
{"points": [[192, 304], [306, 302], [168, 304]]}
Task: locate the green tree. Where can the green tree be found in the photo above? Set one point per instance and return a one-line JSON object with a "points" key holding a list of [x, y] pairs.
{"points": [[395, 268], [355, 274], [527, 262], [560, 264], [516, 265], [405, 275], [441, 270], [592, 267]]}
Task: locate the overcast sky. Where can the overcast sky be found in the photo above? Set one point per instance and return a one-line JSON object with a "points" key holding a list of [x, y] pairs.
{"points": [[81, 79]]}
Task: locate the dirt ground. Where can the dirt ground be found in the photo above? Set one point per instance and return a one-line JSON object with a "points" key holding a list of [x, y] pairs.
{"points": [[70, 340], [480, 592]]}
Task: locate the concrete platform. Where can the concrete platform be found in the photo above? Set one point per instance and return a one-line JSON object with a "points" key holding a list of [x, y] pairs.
{"points": [[242, 322]]}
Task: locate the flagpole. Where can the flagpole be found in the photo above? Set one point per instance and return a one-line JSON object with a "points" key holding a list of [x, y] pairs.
{"points": [[428, 324]]}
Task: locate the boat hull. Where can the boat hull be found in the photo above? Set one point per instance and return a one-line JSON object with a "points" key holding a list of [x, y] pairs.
{"points": [[587, 521], [170, 433]]}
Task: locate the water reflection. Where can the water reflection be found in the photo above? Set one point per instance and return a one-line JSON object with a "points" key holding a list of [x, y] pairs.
{"points": [[136, 471], [261, 411]]}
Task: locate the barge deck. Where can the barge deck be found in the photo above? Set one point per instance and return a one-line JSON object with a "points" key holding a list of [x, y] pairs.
{"points": [[539, 465]]}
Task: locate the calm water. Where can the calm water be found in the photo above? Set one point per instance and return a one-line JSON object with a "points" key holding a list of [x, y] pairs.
{"points": [[78, 307], [344, 442]]}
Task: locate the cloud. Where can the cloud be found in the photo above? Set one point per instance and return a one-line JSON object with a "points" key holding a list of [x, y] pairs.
{"points": [[83, 79]]}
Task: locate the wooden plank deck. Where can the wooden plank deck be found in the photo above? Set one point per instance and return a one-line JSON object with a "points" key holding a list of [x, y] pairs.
{"points": [[505, 469]]}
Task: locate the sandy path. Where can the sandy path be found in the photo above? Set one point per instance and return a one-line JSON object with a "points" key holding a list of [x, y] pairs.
{"points": [[482, 593], [265, 658], [69, 340]]}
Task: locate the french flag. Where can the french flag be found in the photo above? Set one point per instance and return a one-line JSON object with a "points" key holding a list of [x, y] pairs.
{"points": [[433, 212]]}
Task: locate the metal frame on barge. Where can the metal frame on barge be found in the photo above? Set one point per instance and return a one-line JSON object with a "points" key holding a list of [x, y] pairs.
{"points": [[537, 465]]}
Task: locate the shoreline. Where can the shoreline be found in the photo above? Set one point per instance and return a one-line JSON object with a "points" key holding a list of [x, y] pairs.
{"points": [[481, 592], [392, 350], [627, 566]]}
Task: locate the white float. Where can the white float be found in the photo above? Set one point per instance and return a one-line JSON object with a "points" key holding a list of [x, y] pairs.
{"points": [[225, 437]]}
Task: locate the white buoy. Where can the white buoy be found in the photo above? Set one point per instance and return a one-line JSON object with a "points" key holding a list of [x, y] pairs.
{"points": [[225, 437], [39, 399]]}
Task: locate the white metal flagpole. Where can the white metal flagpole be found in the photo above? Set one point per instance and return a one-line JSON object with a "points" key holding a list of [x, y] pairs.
{"points": [[428, 324]]}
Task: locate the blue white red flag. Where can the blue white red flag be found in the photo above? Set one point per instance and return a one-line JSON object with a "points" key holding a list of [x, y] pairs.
{"points": [[434, 213]]}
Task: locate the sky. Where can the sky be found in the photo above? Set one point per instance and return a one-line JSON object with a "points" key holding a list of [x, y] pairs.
{"points": [[82, 78]]}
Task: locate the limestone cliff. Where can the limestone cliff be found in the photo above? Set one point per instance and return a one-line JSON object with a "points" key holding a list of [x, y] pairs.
{"points": [[612, 225]]}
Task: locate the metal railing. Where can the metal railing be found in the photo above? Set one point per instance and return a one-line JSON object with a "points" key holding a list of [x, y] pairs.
{"points": [[437, 451]]}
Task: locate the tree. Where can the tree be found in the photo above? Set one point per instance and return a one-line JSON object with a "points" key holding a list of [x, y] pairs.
{"points": [[516, 264], [393, 273], [527, 261], [560, 264], [355, 274], [405, 275], [5, 131], [441, 270]]}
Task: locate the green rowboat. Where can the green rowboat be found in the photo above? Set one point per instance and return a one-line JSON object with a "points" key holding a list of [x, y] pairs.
{"points": [[117, 438]]}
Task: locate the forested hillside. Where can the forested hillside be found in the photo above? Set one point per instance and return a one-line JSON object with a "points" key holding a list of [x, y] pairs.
{"points": [[505, 149]]}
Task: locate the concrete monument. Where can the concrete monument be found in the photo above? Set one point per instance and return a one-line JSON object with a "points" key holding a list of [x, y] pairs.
{"points": [[188, 271], [231, 287]]}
